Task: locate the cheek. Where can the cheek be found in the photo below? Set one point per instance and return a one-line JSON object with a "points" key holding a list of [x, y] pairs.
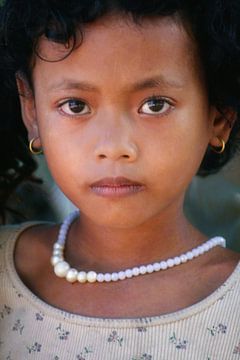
{"points": [[69, 155], [176, 150], [67, 161]]}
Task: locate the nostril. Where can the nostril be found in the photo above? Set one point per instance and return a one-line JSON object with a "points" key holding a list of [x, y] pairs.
{"points": [[114, 151], [102, 156]]}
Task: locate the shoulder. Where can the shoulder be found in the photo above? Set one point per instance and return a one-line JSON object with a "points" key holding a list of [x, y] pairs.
{"points": [[34, 248], [227, 268], [215, 273], [224, 264], [229, 298], [25, 247], [11, 232], [8, 232]]}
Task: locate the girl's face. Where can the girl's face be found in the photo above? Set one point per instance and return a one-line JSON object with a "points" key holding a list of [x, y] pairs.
{"points": [[130, 102]]}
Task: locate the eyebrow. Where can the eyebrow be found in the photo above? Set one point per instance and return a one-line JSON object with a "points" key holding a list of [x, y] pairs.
{"points": [[156, 82], [68, 84], [153, 82]]}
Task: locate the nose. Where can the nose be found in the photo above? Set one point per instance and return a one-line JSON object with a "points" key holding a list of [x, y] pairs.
{"points": [[115, 142], [116, 151]]}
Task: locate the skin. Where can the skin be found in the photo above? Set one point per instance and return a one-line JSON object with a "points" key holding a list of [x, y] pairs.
{"points": [[117, 134]]}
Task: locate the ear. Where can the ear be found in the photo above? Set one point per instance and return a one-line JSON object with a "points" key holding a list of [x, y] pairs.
{"points": [[222, 126], [28, 109]]}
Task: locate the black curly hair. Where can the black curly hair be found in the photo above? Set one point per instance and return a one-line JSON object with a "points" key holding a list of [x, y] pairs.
{"points": [[214, 25]]}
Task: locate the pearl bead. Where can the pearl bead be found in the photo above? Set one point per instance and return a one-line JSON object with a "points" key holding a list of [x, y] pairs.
{"points": [[204, 247], [201, 250], [170, 263], [72, 275], [114, 276], [183, 258], [58, 246], [189, 255], [177, 260], [61, 268], [62, 230], [121, 275], [150, 269], [128, 273], [143, 270], [156, 266], [61, 238], [100, 277], [107, 277], [82, 277], [211, 245], [223, 242], [136, 271], [57, 253], [196, 252], [56, 259], [91, 276], [163, 265]]}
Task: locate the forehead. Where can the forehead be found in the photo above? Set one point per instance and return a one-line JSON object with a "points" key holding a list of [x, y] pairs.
{"points": [[118, 46]]}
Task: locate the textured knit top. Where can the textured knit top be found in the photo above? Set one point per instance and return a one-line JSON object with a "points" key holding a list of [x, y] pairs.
{"points": [[32, 329]]}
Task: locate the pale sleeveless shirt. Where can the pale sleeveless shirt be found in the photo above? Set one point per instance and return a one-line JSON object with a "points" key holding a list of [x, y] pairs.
{"points": [[32, 329]]}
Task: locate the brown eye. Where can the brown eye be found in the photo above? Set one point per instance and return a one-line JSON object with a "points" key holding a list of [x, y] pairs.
{"points": [[74, 107], [155, 107]]}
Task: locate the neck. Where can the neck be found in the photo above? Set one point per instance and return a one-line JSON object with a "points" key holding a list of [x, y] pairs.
{"points": [[104, 249]]}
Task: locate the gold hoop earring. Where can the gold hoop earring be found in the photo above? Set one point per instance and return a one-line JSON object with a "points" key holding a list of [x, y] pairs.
{"points": [[223, 144], [31, 148]]}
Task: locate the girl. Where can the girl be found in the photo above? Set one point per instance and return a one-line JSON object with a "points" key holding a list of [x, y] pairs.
{"points": [[128, 100]]}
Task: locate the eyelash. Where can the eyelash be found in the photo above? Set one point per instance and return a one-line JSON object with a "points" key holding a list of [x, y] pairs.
{"points": [[157, 98], [80, 102], [164, 101]]}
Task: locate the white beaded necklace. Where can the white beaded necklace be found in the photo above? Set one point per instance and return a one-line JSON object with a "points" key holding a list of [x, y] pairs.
{"points": [[63, 270]]}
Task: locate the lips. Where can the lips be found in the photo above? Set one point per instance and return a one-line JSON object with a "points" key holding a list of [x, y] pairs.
{"points": [[116, 187]]}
